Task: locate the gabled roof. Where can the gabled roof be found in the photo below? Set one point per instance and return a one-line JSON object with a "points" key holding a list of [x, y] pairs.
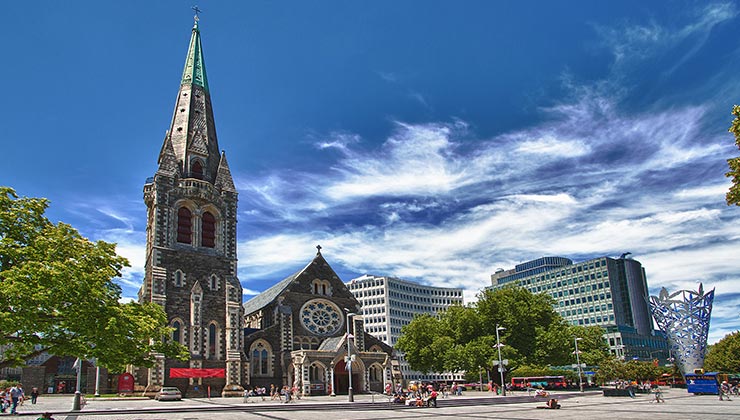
{"points": [[333, 344], [263, 299], [268, 296]]}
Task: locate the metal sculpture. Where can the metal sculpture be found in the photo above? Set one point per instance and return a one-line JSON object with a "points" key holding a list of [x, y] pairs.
{"points": [[684, 318]]}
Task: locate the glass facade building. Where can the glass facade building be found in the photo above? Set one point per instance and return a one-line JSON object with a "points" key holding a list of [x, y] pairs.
{"points": [[606, 292]]}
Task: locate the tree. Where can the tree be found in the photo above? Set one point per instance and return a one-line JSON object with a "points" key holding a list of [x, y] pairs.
{"points": [[724, 356], [592, 346], [733, 196], [464, 337], [57, 294]]}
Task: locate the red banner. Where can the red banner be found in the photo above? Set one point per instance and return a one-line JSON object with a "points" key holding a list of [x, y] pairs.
{"points": [[197, 373]]}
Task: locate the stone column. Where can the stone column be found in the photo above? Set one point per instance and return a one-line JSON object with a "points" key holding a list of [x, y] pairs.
{"points": [[331, 380]]}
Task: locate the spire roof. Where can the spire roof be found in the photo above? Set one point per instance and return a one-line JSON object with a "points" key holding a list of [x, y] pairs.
{"points": [[195, 66]]}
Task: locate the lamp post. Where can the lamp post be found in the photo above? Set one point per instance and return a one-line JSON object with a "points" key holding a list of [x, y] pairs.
{"points": [[578, 362], [77, 401], [348, 360], [500, 361]]}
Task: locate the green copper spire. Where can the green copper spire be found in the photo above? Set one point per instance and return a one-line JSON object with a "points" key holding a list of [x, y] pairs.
{"points": [[195, 66]]}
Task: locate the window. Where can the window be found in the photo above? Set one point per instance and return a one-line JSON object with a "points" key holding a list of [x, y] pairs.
{"points": [[208, 234], [323, 287], [213, 282], [315, 373], [176, 333], [212, 339], [197, 170], [260, 359], [179, 278], [184, 225], [376, 373]]}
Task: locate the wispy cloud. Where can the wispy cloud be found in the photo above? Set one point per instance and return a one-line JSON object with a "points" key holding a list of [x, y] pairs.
{"points": [[633, 42]]}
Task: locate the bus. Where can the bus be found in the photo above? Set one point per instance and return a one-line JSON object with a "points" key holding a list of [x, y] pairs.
{"points": [[546, 382]]}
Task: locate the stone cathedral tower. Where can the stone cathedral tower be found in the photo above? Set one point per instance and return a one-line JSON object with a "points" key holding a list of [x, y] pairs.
{"points": [[191, 243]]}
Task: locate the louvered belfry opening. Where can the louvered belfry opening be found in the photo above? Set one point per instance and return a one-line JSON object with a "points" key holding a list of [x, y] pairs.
{"points": [[184, 225], [208, 236]]}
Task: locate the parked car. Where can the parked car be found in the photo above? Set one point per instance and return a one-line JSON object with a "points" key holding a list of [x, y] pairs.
{"points": [[169, 393]]}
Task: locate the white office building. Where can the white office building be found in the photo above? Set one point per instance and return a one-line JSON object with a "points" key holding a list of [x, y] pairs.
{"points": [[389, 303]]}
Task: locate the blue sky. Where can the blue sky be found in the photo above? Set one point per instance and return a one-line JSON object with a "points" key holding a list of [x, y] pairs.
{"points": [[434, 141]]}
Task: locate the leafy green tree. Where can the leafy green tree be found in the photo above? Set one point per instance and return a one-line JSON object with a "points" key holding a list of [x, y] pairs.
{"points": [[733, 196], [592, 346], [57, 294], [724, 356], [464, 337]]}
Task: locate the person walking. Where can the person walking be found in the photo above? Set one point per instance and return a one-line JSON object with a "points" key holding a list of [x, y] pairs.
{"points": [[16, 393], [658, 394], [34, 395], [724, 391]]}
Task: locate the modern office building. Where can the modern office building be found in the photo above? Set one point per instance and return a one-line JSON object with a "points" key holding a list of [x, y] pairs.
{"points": [[389, 303], [607, 292]]}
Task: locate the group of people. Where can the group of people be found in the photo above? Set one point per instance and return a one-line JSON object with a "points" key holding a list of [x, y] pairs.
{"points": [[417, 396], [285, 394], [15, 396]]}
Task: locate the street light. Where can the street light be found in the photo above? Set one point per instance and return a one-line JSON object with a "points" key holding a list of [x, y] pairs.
{"points": [[348, 359], [500, 362], [578, 362]]}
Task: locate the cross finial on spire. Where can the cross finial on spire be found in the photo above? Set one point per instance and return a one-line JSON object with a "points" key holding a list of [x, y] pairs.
{"points": [[197, 11], [319, 248]]}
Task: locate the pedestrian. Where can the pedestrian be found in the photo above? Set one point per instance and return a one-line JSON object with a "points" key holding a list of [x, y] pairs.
{"points": [[273, 392], [724, 391], [46, 416], [34, 395], [16, 393], [246, 395]]}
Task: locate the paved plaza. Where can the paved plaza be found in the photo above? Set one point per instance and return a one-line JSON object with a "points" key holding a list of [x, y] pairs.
{"points": [[473, 405]]}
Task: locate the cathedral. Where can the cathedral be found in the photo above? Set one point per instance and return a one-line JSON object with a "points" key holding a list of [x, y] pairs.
{"points": [[301, 332]]}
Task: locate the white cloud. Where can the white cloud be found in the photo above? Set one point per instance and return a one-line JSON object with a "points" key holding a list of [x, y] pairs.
{"points": [[551, 146]]}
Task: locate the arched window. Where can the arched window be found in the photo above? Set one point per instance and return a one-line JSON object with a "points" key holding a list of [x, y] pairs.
{"points": [[213, 282], [376, 373], [184, 225], [208, 234], [197, 170], [260, 359], [179, 278], [212, 338], [176, 331], [316, 373]]}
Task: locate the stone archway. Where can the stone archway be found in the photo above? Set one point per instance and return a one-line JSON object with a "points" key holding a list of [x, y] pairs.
{"points": [[341, 378]]}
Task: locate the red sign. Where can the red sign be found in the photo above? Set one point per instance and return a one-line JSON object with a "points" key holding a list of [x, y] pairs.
{"points": [[126, 383], [197, 373]]}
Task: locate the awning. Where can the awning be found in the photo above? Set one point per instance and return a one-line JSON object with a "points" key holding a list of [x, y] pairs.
{"points": [[197, 373]]}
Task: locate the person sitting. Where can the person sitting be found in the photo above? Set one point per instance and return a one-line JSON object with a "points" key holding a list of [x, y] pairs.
{"points": [[552, 403], [399, 399], [419, 400]]}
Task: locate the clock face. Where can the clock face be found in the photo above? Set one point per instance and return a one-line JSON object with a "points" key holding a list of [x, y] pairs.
{"points": [[321, 317]]}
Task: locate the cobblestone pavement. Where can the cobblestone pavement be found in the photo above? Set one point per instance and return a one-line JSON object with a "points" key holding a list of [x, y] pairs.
{"points": [[474, 405]]}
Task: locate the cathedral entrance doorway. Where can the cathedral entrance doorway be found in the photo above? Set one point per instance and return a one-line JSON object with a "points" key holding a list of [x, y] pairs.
{"points": [[341, 379]]}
